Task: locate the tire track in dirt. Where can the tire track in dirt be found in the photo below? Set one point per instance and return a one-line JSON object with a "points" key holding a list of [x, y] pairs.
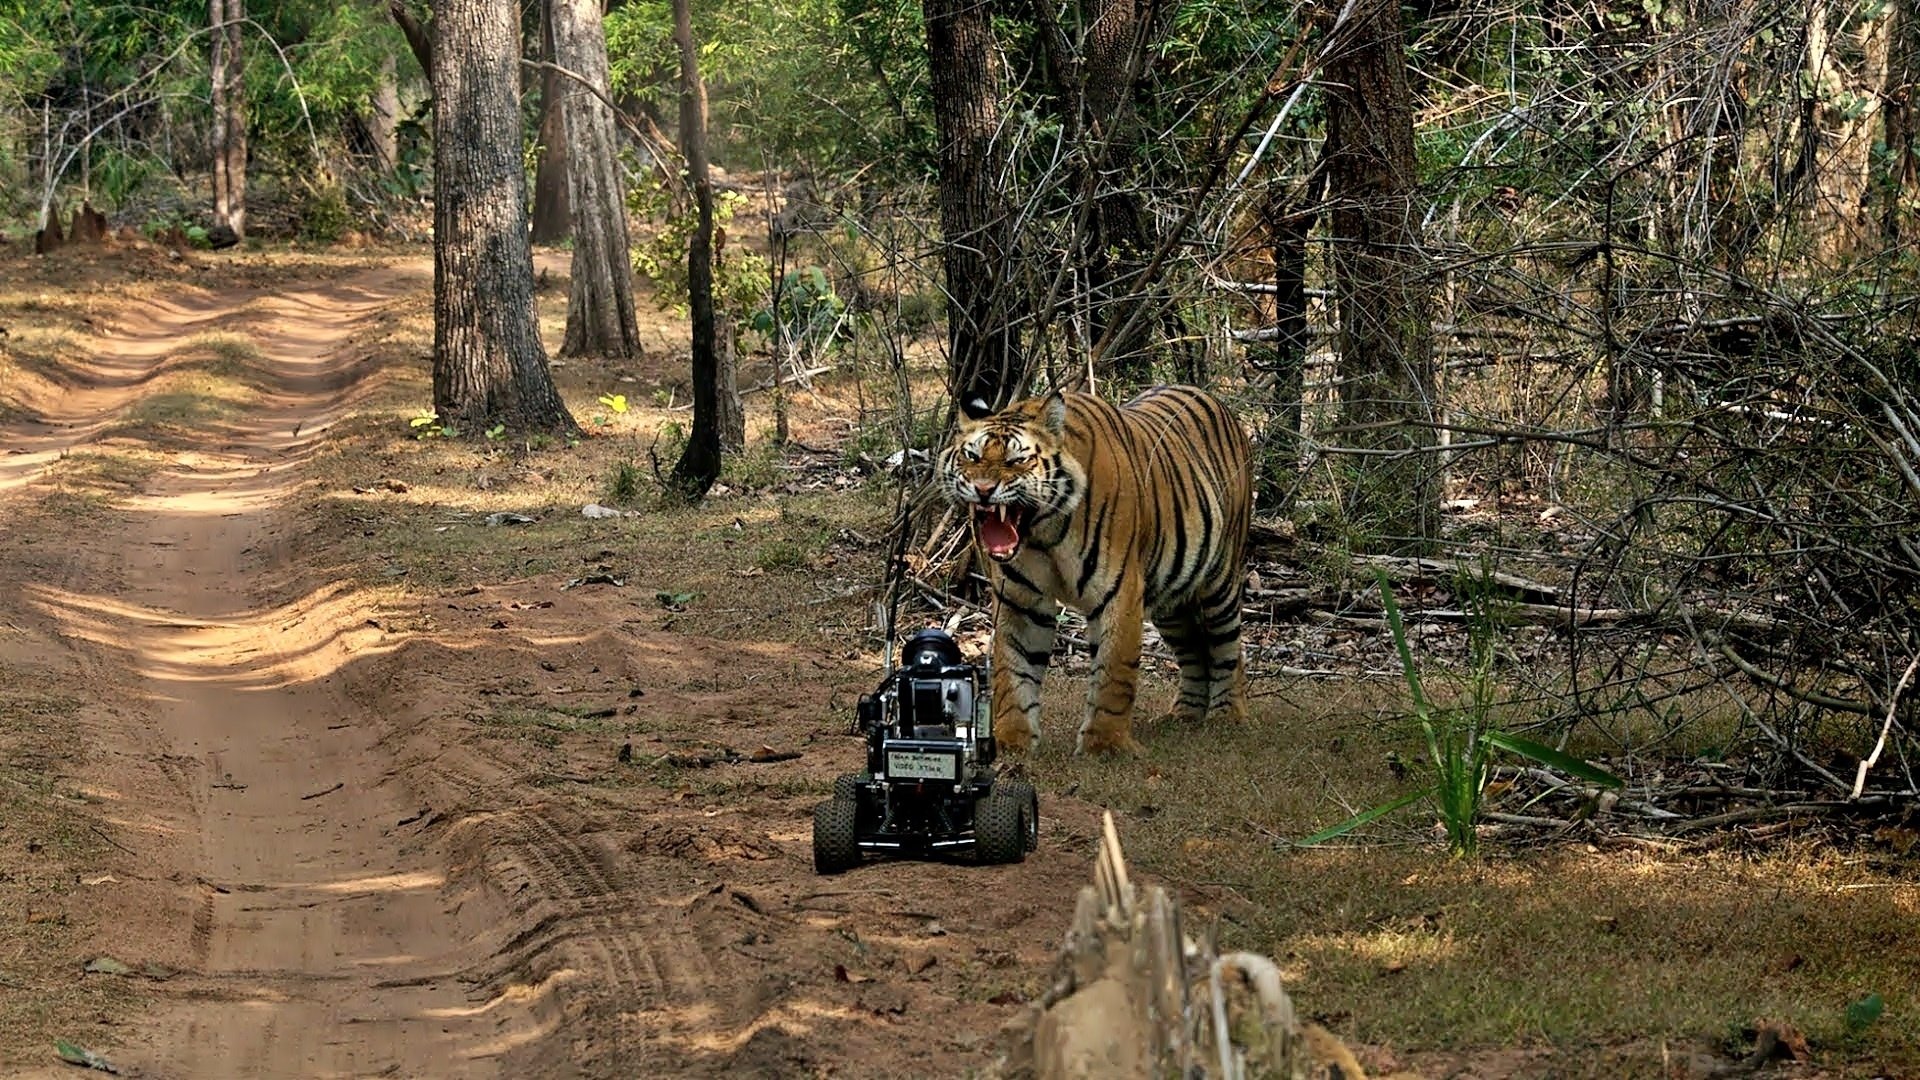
{"points": [[309, 939]]}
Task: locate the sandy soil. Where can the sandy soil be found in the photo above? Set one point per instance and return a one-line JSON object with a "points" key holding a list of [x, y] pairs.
{"points": [[320, 871]]}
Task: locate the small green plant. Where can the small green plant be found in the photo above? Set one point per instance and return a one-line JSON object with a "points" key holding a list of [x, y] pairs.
{"points": [[808, 316], [1460, 742], [781, 555], [623, 485], [426, 425]]}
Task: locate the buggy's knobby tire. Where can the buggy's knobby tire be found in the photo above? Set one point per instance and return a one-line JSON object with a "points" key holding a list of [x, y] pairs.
{"points": [[1000, 827], [836, 840], [847, 786], [1024, 792]]}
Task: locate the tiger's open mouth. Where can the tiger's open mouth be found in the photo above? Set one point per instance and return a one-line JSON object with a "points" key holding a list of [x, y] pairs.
{"points": [[1000, 527]]}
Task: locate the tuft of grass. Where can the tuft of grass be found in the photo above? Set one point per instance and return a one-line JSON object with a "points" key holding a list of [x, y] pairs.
{"points": [[624, 485]]}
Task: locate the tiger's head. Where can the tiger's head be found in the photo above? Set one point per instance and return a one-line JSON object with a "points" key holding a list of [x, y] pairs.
{"points": [[1012, 470]]}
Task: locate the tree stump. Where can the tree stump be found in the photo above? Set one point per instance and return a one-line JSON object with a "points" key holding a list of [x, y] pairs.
{"points": [[1134, 997]]}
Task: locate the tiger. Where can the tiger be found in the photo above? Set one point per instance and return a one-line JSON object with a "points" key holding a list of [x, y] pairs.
{"points": [[1122, 513]]}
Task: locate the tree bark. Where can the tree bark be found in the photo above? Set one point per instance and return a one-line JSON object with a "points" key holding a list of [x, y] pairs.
{"points": [[699, 464], [976, 248], [1900, 115], [1115, 248], [1287, 223], [419, 36], [600, 319], [229, 116], [552, 216], [385, 109], [1385, 340], [488, 363]]}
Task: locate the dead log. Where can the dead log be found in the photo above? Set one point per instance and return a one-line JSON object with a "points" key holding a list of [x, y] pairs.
{"points": [[1134, 997]]}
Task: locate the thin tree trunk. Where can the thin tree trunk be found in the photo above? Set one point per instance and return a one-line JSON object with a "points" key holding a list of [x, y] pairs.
{"points": [[419, 37], [1287, 222], [732, 410], [1900, 115], [1386, 351], [385, 108], [976, 251], [600, 320], [1115, 247], [699, 464], [488, 364], [229, 116], [552, 215]]}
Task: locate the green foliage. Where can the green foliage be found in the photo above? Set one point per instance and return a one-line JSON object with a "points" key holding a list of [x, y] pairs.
{"points": [[838, 84], [739, 276], [623, 485], [808, 312], [1460, 741]]}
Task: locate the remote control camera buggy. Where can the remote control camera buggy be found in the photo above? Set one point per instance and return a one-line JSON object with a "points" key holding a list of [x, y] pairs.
{"points": [[930, 785]]}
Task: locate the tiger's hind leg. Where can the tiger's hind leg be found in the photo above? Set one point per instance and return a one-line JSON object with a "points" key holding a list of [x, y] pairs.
{"points": [[1220, 625], [1187, 637]]}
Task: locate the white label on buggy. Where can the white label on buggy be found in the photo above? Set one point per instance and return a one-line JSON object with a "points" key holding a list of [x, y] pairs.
{"points": [[911, 765]]}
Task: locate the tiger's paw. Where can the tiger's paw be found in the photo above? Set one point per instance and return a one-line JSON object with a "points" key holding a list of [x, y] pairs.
{"points": [[1106, 743], [1015, 738], [1183, 714]]}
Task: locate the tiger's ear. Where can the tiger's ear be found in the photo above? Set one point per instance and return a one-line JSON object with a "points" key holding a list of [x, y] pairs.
{"points": [[976, 408], [1054, 413]]}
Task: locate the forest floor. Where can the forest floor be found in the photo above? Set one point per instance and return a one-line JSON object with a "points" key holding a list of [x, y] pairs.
{"points": [[307, 769]]}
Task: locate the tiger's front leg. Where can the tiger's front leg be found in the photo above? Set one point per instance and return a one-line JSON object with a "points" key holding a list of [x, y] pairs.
{"points": [[1024, 625], [1114, 634]]}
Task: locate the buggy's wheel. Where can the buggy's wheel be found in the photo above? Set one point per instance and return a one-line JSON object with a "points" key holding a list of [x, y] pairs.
{"points": [[847, 786], [1024, 792], [1000, 826], [836, 840]]}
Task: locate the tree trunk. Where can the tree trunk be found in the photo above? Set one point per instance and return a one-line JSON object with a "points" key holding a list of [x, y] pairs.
{"points": [[732, 410], [699, 464], [600, 320], [385, 108], [1900, 115], [229, 116], [984, 345], [1116, 244], [1287, 223], [1386, 350], [419, 37], [488, 364], [552, 215]]}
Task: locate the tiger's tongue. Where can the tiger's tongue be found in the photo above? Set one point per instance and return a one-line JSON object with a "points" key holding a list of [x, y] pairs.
{"points": [[998, 536]]}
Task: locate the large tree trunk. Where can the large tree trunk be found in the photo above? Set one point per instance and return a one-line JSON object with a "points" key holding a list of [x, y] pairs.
{"points": [[600, 319], [229, 116], [699, 464], [976, 250], [1386, 349], [552, 216], [488, 364]]}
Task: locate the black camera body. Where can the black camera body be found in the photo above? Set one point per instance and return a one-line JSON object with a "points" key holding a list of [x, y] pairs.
{"points": [[930, 785]]}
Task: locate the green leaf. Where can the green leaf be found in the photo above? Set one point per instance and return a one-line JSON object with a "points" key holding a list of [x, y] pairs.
{"points": [[80, 1055], [1364, 817], [675, 599], [1861, 1014], [1547, 755]]}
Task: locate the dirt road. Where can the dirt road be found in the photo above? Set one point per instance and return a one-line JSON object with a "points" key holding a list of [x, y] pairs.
{"points": [[327, 872]]}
